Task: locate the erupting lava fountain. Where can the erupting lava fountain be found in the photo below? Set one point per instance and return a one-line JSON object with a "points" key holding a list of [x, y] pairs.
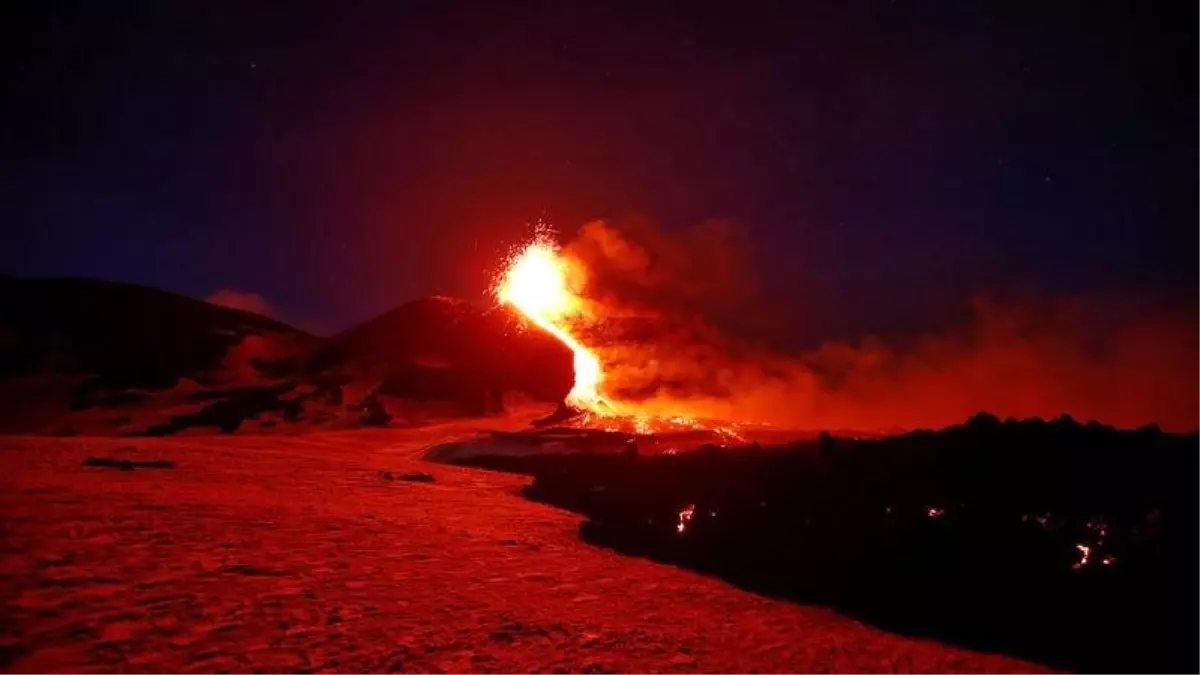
{"points": [[544, 285], [537, 283]]}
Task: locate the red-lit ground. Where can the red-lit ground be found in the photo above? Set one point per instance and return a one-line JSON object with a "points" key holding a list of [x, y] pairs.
{"points": [[292, 553]]}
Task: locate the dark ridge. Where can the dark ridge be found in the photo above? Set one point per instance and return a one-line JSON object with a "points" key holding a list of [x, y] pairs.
{"points": [[241, 392], [236, 406], [118, 344], [123, 335]]}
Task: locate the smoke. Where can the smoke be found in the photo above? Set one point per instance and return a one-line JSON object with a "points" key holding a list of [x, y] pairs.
{"points": [[671, 327], [637, 269]]}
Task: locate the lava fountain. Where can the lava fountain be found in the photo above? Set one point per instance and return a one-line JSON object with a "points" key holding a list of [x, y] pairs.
{"points": [[544, 286], [536, 282]]}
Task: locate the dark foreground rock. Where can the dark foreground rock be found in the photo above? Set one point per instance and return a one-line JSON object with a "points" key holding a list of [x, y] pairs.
{"points": [[1066, 544], [411, 476], [129, 464]]}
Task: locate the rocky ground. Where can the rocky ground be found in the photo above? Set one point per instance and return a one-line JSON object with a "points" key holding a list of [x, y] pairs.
{"points": [[299, 554]]}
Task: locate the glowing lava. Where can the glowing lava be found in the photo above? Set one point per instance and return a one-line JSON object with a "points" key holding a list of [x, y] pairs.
{"points": [[537, 283], [544, 286]]}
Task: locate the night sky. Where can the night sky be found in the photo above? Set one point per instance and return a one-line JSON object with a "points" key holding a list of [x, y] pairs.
{"points": [[885, 159]]}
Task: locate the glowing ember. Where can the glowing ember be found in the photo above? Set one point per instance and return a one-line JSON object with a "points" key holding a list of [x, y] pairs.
{"points": [[1098, 526], [685, 517], [1085, 554]]}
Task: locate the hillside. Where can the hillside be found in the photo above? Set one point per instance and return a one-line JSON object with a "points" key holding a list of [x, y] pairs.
{"points": [[447, 349], [123, 335], [98, 357]]}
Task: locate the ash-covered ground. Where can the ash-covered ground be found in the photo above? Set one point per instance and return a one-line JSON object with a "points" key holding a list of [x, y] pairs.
{"points": [[334, 551]]}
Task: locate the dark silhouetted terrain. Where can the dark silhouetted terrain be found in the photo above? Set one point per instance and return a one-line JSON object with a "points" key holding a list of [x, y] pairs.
{"points": [[120, 335], [81, 356], [1071, 545], [448, 349]]}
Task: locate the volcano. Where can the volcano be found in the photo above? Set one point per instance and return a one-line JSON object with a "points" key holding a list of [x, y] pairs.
{"points": [[449, 350]]}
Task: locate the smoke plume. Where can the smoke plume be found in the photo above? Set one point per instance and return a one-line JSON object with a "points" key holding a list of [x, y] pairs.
{"points": [[673, 320]]}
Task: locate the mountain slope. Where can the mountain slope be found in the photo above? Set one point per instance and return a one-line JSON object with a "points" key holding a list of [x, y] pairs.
{"points": [[124, 335], [444, 348], [99, 357]]}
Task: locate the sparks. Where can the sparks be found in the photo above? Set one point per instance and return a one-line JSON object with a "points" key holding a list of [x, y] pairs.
{"points": [[1085, 555], [685, 517]]}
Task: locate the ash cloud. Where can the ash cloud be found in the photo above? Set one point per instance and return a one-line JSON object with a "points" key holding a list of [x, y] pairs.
{"points": [[676, 319]]}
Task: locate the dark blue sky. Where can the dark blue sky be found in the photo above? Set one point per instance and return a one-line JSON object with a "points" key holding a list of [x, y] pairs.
{"points": [[885, 158]]}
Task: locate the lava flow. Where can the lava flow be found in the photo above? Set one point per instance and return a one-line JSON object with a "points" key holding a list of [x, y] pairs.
{"points": [[543, 285]]}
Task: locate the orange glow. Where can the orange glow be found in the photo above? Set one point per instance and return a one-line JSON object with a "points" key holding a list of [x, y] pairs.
{"points": [[544, 286]]}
